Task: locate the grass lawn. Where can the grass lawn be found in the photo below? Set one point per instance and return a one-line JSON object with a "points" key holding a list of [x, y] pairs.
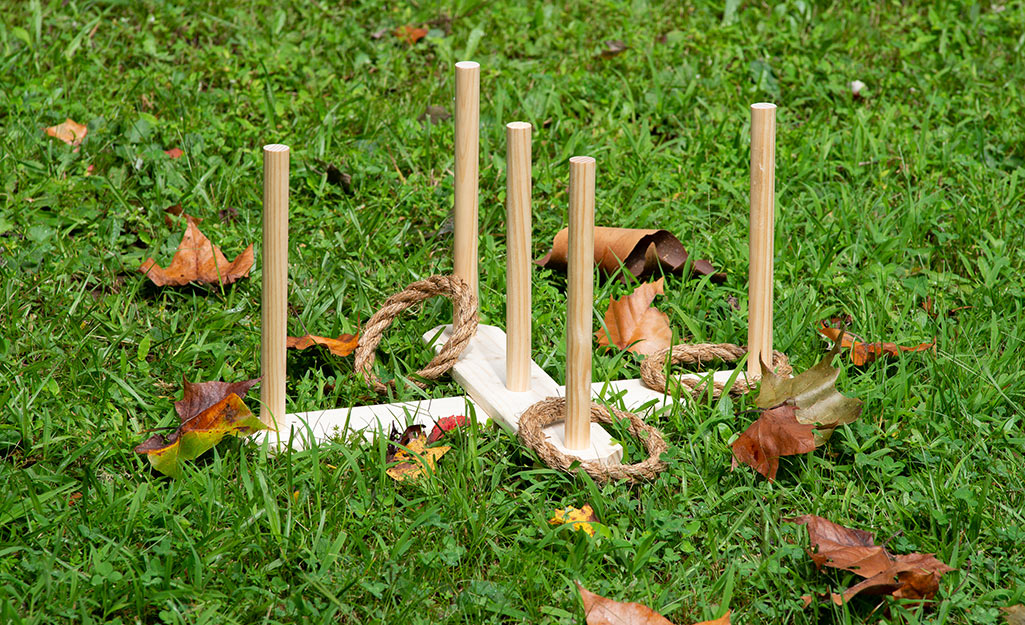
{"points": [[907, 198]]}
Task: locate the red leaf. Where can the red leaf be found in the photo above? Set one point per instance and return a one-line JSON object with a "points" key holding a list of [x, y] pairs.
{"points": [[174, 153], [446, 424]]}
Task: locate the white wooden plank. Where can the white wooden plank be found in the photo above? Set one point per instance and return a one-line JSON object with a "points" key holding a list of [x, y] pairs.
{"points": [[480, 370], [319, 426]]}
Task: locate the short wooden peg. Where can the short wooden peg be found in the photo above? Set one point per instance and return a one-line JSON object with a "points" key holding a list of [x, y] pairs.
{"points": [[762, 246], [274, 306], [466, 170], [518, 222], [580, 302]]}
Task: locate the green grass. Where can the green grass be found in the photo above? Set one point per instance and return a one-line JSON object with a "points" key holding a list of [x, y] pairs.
{"points": [[912, 192]]}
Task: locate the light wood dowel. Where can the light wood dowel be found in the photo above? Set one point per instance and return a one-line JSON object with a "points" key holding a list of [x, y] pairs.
{"points": [[762, 245], [466, 170], [580, 302], [274, 307], [518, 222]]}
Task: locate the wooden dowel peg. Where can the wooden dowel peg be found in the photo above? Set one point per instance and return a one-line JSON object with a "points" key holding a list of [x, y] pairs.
{"points": [[274, 308], [762, 245], [518, 222], [580, 302], [467, 129]]}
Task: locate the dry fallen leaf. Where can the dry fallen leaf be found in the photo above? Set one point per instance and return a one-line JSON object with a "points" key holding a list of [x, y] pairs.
{"points": [[613, 47], [434, 114], [199, 260], [410, 34], [800, 415], [602, 611], [341, 346], [70, 132], [813, 393], [174, 153], [413, 463], [641, 252], [1014, 615], [581, 518], [911, 576], [776, 433], [864, 353], [208, 411], [634, 325], [722, 620]]}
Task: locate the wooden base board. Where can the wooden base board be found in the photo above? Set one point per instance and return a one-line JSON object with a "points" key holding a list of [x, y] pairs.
{"points": [[304, 429], [480, 370], [481, 373]]}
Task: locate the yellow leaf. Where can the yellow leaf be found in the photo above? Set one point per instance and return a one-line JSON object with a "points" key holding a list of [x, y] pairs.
{"points": [[581, 518], [411, 465]]}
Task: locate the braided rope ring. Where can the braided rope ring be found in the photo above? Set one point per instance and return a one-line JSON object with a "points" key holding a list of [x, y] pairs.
{"points": [[653, 375], [553, 409], [463, 328]]}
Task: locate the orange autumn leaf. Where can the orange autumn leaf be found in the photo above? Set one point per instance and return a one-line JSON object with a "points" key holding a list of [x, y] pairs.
{"points": [[198, 260], [410, 34], [634, 325], [602, 611], [864, 353], [174, 153], [909, 576], [70, 132], [341, 346]]}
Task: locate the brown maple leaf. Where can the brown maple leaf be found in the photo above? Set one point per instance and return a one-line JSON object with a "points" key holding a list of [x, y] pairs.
{"points": [[634, 325], [776, 433], [911, 576], [199, 260], [70, 132], [844, 548], [813, 393], [341, 346], [864, 353], [641, 252]]}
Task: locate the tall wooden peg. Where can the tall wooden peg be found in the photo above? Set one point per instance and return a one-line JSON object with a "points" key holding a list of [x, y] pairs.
{"points": [[466, 170], [580, 302], [518, 222], [762, 245], [274, 314]]}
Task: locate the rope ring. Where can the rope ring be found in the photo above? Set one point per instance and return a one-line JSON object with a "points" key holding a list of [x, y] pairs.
{"points": [[553, 409], [653, 375], [464, 327]]}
